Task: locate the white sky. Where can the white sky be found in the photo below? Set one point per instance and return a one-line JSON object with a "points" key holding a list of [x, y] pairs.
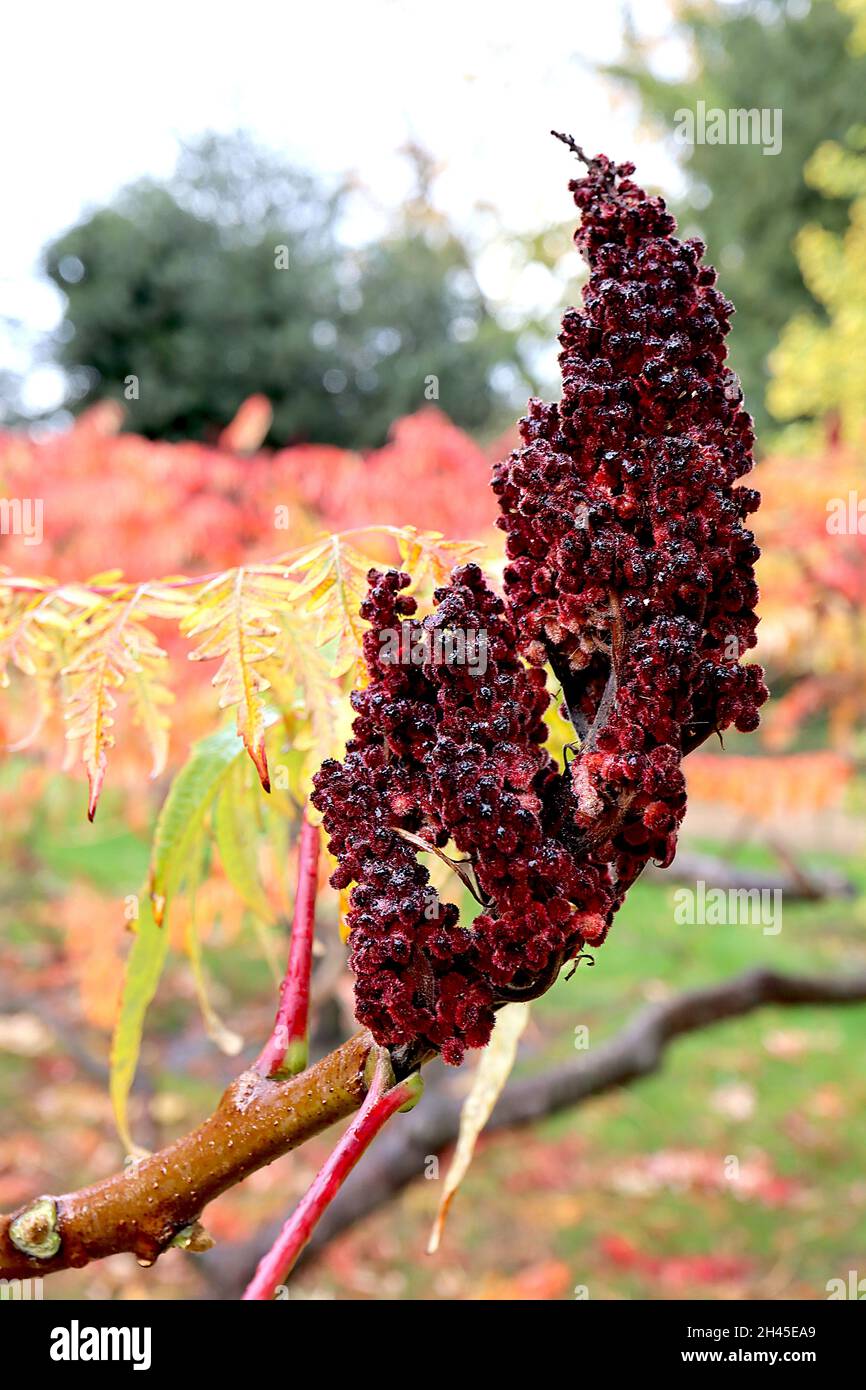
{"points": [[98, 94]]}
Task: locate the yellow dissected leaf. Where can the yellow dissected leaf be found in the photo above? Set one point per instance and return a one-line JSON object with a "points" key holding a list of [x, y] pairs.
{"points": [[93, 640], [429, 558], [32, 640], [79, 596], [235, 830], [112, 647], [149, 698], [235, 617], [10, 583], [494, 1069], [331, 586], [105, 578], [33, 625], [304, 685]]}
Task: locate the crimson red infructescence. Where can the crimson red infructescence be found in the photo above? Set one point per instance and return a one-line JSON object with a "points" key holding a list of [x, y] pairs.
{"points": [[631, 575]]}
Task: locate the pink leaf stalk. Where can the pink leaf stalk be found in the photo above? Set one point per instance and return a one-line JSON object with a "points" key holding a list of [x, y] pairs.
{"points": [[286, 1049], [379, 1105]]}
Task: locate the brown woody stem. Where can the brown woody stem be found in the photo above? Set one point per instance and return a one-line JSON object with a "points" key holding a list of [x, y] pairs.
{"points": [[143, 1208], [572, 144]]}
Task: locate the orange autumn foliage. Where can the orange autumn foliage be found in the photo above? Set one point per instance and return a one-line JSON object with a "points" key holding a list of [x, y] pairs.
{"points": [[812, 530], [156, 509], [765, 789]]}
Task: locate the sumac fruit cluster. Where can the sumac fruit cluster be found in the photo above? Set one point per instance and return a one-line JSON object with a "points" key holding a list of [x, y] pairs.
{"points": [[630, 573]]}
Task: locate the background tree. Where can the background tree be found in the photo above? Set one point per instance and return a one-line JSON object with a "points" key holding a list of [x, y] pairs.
{"points": [[182, 285], [818, 584], [819, 370], [749, 206]]}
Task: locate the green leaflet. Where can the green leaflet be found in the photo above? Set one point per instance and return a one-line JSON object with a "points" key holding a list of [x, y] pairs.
{"points": [[182, 816], [143, 969], [175, 856], [235, 825]]}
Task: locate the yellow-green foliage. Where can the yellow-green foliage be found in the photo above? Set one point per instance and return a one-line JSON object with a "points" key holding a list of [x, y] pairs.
{"points": [[819, 366]]}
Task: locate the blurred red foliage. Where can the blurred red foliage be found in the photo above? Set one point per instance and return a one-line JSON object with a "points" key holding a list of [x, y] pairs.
{"points": [[430, 475], [156, 509]]}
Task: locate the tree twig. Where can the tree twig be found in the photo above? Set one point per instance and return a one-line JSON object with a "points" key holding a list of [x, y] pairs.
{"points": [[143, 1208], [383, 1099], [691, 865], [572, 144]]}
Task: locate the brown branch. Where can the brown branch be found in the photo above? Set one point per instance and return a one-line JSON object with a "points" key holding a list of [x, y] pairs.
{"points": [[145, 1207], [571, 143]]}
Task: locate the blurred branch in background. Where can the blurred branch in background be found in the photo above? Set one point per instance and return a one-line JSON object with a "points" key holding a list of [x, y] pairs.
{"points": [[797, 884]]}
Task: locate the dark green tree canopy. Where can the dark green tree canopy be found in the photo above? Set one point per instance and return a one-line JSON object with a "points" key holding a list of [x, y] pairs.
{"points": [[184, 298]]}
